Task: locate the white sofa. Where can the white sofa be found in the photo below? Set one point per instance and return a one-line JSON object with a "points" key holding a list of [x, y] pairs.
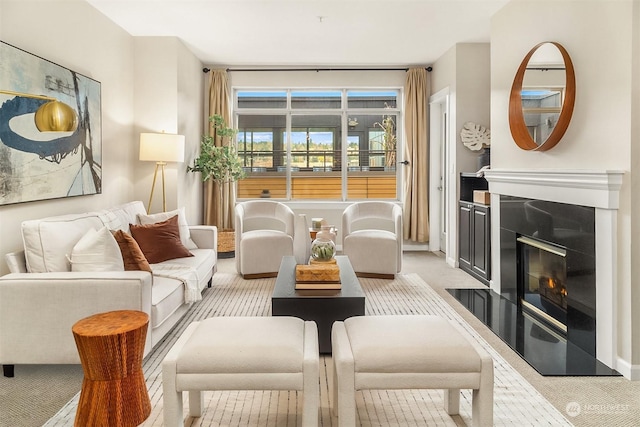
{"points": [[42, 298]]}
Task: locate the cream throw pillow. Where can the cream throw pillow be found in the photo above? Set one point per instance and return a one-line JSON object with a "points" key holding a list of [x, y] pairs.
{"points": [[97, 250], [185, 235]]}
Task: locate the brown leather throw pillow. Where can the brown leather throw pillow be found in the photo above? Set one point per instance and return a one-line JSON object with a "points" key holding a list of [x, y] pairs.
{"points": [[131, 253], [160, 241]]}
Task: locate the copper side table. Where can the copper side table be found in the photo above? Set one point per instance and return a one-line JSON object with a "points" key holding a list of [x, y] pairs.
{"points": [[111, 346]]}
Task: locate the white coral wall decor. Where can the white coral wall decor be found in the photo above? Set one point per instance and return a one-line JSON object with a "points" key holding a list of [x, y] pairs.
{"points": [[475, 137]]}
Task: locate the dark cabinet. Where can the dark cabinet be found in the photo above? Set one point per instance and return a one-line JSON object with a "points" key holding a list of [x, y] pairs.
{"points": [[474, 249], [464, 231], [474, 231]]}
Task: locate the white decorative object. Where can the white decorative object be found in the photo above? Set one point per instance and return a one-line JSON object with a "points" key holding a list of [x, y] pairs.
{"points": [[475, 137], [323, 247]]}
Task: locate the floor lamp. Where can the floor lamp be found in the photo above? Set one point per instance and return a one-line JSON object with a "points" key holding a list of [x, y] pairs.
{"points": [[161, 148]]}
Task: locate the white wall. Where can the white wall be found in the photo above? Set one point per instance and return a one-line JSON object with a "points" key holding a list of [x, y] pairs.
{"points": [[152, 85], [191, 89], [598, 37], [635, 181], [155, 109], [85, 41], [319, 79], [169, 91], [465, 71], [473, 88]]}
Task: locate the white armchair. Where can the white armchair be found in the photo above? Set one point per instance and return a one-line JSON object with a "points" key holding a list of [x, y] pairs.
{"points": [[264, 234], [372, 238]]}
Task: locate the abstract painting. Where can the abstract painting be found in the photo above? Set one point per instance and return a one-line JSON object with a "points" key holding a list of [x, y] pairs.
{"points": [[37, 165]]}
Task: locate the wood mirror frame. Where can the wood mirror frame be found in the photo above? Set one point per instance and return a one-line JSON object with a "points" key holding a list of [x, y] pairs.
{"points": [[517, 124]]}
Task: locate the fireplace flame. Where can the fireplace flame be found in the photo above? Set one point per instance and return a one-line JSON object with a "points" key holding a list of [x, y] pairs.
{"points": [[552, 284]]}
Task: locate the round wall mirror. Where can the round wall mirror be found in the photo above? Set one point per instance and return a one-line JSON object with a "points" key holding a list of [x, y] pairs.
{"points": [[542, 97]]}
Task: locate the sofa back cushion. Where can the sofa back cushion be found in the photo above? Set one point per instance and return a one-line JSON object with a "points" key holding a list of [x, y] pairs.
{"points": [[48, 241], [126, 214]]}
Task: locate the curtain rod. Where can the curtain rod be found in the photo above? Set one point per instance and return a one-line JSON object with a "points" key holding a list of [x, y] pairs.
{"points": [[206, 70]]}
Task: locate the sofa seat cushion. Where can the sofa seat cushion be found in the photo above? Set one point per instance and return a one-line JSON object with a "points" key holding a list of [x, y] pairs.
{"points": [[203, 261], [412, 344], [253, 236], [373, 237], [168, 293], [372, 251], [262, 250], [167, 296]]}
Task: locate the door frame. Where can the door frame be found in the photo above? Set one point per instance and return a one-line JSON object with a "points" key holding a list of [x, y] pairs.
{"points": [[439, 196]]}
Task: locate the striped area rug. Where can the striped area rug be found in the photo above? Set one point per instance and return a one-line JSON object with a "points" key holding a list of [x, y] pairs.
{"points": [[516, 402]]}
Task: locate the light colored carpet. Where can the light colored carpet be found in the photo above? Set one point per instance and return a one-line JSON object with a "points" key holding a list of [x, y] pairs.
{"points": [[36, 392], [516, 402]]}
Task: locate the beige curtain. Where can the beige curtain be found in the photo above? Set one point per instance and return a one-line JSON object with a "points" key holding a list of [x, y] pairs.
{"points": [[416, 151], [219, 200]]}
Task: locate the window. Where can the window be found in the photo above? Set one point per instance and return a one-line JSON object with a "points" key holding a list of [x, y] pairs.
{"points": [[541, 108], [316, 99], [261, 100], [295, 142]]}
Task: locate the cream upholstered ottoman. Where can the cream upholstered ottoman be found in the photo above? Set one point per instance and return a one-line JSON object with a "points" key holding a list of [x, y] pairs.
{"points": [[409, 352], [242, 353]]}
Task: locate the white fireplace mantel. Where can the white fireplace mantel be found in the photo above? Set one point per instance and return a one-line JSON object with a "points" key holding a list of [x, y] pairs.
{"points": [[595, 188], [599, 189]]}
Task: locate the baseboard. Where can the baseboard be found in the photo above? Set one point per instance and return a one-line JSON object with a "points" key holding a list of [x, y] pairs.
{"points": [[451, 262], [629, 371], [415, 247]]}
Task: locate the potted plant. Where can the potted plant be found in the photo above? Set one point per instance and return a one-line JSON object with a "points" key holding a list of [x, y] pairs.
{"points": [[220, 164], [389, 141]]}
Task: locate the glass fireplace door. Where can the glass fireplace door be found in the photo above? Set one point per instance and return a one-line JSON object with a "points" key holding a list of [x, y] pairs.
{"points": [[542, 285]]}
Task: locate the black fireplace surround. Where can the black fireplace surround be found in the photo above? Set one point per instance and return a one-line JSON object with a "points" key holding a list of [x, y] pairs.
{"points": [[551, 351], [567, 226]]}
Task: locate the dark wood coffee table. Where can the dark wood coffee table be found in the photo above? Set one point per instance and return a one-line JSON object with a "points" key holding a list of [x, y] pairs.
{"points": [[322, 306]]}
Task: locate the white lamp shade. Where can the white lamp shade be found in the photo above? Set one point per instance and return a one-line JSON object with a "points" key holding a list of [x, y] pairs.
{"points": [[161, 147]]}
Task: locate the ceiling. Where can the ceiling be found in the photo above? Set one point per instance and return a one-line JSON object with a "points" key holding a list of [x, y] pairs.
{"points": [[307, 33]]}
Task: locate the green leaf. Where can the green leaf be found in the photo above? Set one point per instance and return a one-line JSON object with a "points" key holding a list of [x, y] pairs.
{"points": [[219, 163]]}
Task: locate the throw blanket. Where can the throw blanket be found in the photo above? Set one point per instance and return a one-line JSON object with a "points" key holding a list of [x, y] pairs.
{"points": [[187, 275]]}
